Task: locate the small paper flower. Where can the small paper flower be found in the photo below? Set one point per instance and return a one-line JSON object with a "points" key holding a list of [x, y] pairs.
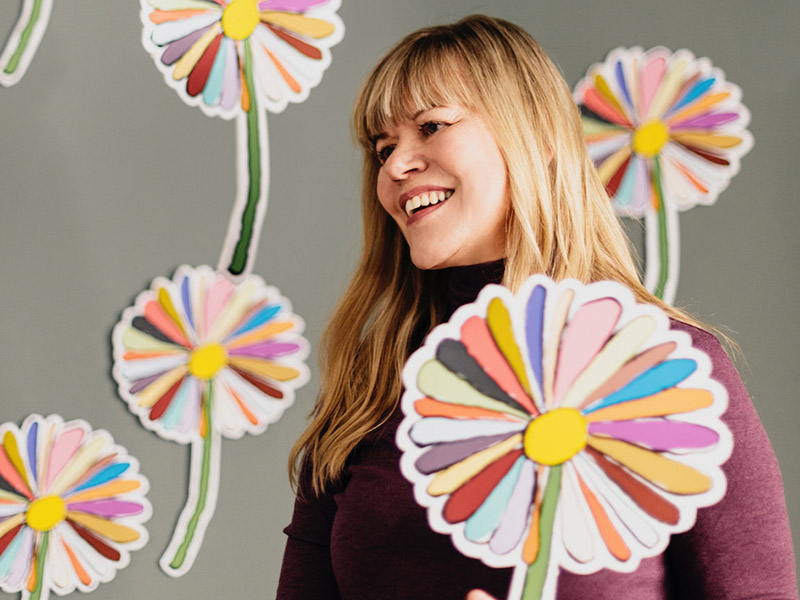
{"points": [[231, 57], [666, 132], [24, 40], [199, 357], [71, 507], [566, 426]]}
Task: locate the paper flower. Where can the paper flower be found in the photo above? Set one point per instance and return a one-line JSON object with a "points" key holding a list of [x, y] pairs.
{"points": [[231, 57], [666, 132], [197, 358], [71, 507], [566, 426], [24, 40]]}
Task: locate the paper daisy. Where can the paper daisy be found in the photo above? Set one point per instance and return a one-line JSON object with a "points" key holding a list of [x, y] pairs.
{"points": [[24, 40], [566, 426], [197, 358], [71, 507], [234, 58], [666, 132]]}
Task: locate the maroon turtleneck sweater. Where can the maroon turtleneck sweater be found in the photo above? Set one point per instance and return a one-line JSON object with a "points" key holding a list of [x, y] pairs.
{"points": [[366, 537]]}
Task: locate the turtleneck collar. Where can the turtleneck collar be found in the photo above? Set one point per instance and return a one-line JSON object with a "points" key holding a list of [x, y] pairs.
{"points": [[464, 283]]}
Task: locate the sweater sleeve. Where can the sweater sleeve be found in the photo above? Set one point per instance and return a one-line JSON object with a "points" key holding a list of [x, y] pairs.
{"points": [[740, 548], [307, 572]]}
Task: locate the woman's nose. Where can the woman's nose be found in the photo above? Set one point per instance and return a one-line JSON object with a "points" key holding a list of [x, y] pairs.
{"points": [[406, 159]]}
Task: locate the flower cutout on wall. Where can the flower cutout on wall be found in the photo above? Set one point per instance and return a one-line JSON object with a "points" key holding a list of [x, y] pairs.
{"points": [[71, 507], [666, 132], [234, 58], [566, 426], [197, 358], [24, 40]]}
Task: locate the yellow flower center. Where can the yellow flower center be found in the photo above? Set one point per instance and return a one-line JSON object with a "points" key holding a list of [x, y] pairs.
{"points": [[240, 19], [45, 513], [205, 361], [650, 138], [556, 436]]}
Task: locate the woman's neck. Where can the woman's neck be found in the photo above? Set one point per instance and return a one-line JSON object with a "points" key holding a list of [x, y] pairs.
{"points": [[464, 283]]}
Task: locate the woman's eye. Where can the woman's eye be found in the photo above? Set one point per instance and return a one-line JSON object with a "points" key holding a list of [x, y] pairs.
{"points": [[431, 127], [384, 153]]}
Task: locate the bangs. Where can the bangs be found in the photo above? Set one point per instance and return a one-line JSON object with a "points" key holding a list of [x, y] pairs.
{"points": [[420, 73]]}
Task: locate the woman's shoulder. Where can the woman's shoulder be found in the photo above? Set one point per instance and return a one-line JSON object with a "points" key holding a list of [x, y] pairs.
{"points": [[702, 339], [722, 367]]}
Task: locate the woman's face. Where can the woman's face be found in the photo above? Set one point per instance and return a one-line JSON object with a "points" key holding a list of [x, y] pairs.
{"points": [[443, 180]]}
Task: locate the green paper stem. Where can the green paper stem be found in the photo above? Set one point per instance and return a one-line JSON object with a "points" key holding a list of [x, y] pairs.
{"points": [[239, 259], [24, 38], [40, 558], [537, 572], [663, 233], [205, 477]]}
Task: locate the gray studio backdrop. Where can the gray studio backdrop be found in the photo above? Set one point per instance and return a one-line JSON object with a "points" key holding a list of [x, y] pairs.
{"points": [[109, 180]]}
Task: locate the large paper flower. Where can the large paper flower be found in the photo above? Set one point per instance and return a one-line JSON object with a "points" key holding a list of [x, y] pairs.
{"points": [[71, 507], [666, 132], [566, 426], [24, 40], [231, 57], [198, 357]]}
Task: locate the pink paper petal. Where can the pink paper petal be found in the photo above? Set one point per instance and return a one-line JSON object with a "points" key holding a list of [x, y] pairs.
{"points": [[583, 337], [652, 75], [64, 449]]}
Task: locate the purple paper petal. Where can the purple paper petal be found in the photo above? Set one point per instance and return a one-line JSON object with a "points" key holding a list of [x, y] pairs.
{"points": [[230, 84], [449, 453], [107, 508], [706, 121], [139, 384], [658, 434], [515, 518], [179, 47], [266, 349]]}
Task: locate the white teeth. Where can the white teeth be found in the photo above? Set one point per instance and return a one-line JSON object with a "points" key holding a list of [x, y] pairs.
{"points": [[426, 200]]}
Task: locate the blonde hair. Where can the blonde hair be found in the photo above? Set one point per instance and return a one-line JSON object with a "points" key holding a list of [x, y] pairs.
{"points": [[560, 221]]}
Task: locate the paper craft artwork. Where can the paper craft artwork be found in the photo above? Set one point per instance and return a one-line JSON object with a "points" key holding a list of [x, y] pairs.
{"points": [[72, 507], [24, 40], [197, 358], [666, 132], [566, 426], [233, 59]]}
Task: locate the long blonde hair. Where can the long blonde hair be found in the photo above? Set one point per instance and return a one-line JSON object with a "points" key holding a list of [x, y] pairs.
{"points": [[560, 221]]}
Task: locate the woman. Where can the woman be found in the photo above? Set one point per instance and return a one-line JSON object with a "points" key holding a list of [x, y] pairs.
{"points": [[475, 171]]}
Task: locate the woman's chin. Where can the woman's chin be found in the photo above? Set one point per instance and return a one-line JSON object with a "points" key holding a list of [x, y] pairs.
{"points": [[425, 264], [429, 259]]}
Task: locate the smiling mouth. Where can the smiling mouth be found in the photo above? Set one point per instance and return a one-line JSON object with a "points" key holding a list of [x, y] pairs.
{"points": [[418, 203]]}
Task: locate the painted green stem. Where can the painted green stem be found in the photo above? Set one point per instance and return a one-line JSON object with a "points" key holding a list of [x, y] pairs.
{"points": [[663, 235], [239, 259], [24, 38], [537, 572], [40, 558], [205, 476]]}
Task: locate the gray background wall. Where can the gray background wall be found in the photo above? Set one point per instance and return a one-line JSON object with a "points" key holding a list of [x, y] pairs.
{"points": [[109, 180]]}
